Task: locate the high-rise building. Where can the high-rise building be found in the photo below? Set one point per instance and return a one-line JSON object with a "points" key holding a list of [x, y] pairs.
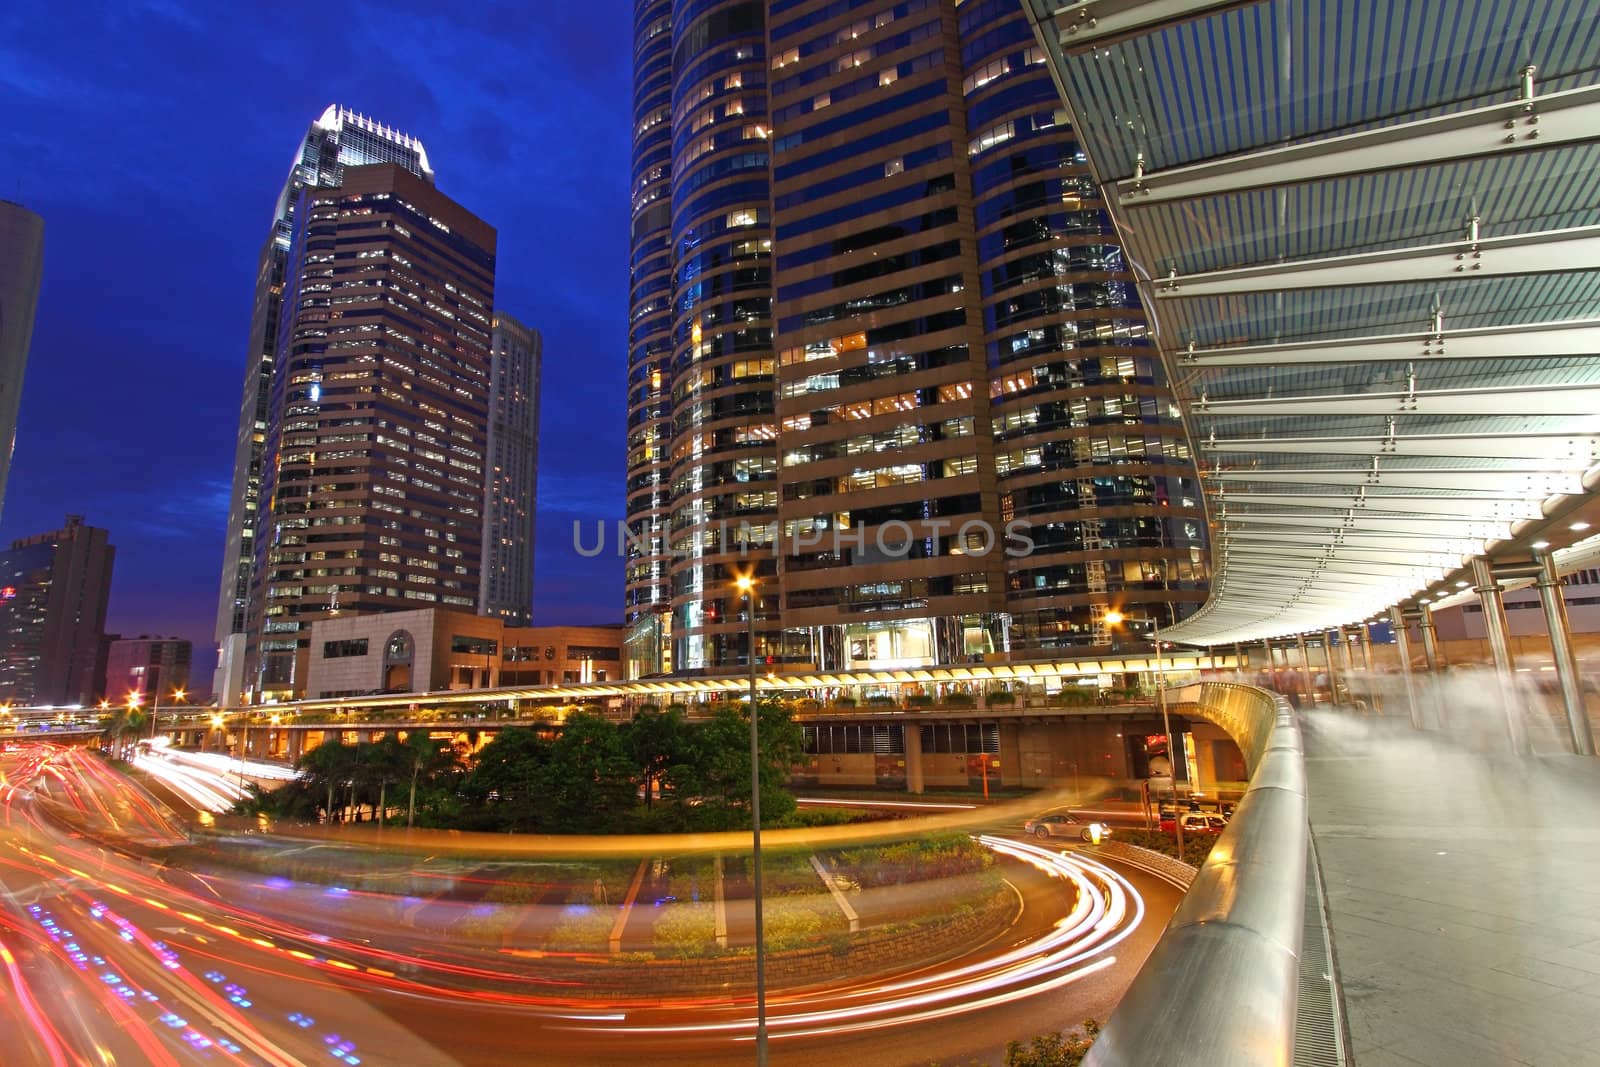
{"points": [[886, 353], [339, 138], [149, 667], [54, 588], [372, 473], [649, 426], [511, 473], [21, 267]]}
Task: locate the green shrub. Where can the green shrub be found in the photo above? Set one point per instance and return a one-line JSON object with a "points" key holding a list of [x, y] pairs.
{"points": [[1053, 1050], [687, 930], [512, 891], [880, 702], [959, 700], [919, 700], [485, 924], [582, 929], [1196, 847], [845, 702], [1001, 696], [791, 924]]}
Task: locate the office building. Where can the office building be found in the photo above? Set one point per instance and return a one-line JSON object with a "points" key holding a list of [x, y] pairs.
{"points": [[339, 138], [21, 267], [511, 473], [146, 667], [437, 649], [373, 465], [53, 593], [886, 355]]}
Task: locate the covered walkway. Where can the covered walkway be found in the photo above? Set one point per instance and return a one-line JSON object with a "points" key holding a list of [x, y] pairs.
{"points": [[1460, 884]]}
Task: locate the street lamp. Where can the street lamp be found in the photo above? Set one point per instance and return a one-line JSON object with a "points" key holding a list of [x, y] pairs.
{"points": [[155, 705], [747, 586], [1112, 619]]}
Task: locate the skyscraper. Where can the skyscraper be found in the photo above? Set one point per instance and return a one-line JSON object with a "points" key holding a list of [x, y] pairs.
{"points": [[879, 318], [511, 473], [21, 267], [372, 480], [54, 588], [339, 138]]}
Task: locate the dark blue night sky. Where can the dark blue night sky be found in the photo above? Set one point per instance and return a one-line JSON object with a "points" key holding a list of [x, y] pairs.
{"points": [[154, 137]]}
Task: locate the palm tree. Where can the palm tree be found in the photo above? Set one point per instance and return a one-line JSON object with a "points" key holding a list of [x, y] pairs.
{"points": [[425, 758], [327, 766]]}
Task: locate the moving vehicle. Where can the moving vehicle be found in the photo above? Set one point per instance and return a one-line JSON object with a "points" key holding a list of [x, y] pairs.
{"points": [[1065, 824], [1194, 822]]}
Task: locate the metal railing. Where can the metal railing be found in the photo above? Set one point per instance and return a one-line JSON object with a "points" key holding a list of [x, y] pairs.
{"points": [[1220, 987]]}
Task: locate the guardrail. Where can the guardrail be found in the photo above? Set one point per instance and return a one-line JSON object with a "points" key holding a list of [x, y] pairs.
{"points": [[1221, 986]]}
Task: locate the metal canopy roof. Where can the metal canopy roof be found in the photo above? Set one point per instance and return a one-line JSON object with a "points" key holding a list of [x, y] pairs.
{"points": [[1368, 236]]}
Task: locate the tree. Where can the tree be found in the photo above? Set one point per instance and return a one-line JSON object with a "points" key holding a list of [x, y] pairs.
{"points": [[429, 759], [587, 782], [505, 781], [329, 766], [657, 742], [122, 724], [717, 773]]}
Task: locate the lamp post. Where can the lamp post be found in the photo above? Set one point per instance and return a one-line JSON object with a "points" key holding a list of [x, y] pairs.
{"points": [[155, 706], [244, 746], [1112, 619], [747, 585]]}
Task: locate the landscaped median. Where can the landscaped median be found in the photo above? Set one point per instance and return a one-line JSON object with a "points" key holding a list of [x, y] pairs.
{"points": [[626, 927]]}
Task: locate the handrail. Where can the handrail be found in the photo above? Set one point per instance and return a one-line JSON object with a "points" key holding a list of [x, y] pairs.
{"points": [[1221, 986]]}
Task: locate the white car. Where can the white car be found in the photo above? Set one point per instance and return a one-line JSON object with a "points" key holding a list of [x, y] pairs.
{"points": [[1065, 824]]}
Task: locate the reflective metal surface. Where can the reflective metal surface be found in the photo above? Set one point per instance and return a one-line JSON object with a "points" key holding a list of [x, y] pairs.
{"points": [[1220, 988]]}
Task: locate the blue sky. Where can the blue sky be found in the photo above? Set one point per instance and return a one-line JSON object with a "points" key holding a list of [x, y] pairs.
{"points": [[154, 137]]}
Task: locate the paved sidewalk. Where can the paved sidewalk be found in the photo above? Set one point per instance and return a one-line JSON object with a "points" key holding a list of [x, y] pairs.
{"points": [[1464, 895]]}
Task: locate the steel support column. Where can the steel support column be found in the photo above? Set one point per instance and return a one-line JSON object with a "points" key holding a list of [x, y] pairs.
{"points": [[1305, 671], [1402, 641], [1430, 652], [1498, 631], [1333, 670], [1555, 619]]}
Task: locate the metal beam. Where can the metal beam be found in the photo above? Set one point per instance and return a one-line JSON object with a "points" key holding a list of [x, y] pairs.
{"points": [[1525, 482], [1442, 546], [1547, 252], [1460, 527], [1376, 561], [1473, 508], [1554, 400], [1545, 340], [1572, 451], [1078, 26], [1566, 117]]}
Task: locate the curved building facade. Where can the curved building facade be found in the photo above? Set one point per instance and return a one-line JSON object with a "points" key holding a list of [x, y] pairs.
{"points": [[650, 318], [722, 460], [1088, 448], [911, 389]]}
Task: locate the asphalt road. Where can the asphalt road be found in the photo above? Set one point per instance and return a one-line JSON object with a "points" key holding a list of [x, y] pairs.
{"points": [[112, 959]]}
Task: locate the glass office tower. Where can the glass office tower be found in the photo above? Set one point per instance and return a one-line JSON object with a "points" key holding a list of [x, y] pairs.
{"points": [[372, 482], [511, 472], [338, 138], [910, 383]]}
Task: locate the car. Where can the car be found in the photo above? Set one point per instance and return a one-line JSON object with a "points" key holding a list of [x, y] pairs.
{"points": [[1065, 824], [1194, 822]]}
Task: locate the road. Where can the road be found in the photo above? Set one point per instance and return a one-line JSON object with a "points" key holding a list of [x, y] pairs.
{"points": [[113, 957]]}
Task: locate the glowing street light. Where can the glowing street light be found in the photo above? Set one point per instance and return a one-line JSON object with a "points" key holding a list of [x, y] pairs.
{"points": [[1114, 618], [746, 584]]}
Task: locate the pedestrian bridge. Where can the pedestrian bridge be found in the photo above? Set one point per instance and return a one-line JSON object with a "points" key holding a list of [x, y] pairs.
{"points": [[1367, 238]]}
